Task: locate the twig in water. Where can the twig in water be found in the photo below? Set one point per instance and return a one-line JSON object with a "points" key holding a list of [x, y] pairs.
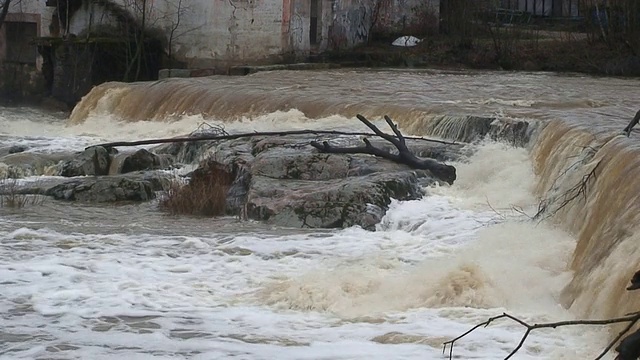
{"points": [[632, 319], [494, 210], [573, 193], [216, 130]]}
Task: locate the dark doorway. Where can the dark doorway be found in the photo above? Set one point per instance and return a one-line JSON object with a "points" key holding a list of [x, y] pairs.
{"points": [[20, 48], [556, 8], [314, 23]]}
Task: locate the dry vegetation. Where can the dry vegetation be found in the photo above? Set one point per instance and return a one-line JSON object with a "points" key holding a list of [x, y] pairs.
{"points": [[602, 39], [205, 194], [10, 196]]}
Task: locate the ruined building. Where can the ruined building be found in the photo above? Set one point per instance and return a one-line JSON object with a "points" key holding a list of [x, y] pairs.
{"points": [[66, 46]]}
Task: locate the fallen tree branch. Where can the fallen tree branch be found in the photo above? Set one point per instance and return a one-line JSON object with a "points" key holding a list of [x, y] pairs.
{"points": [[632, 123], [573, 193], [244, 135], [632, 319], [206, 129], [443, 172]]}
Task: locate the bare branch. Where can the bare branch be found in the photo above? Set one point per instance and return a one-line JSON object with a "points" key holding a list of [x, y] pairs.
{"points": [[632, 123], [632, 319], [442, 172], [573, 193]]}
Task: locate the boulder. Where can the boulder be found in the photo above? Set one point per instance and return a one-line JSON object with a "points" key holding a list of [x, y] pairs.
{"points": [[184, 152], [103, 189], [57, 186], [11, 149], [335, 203], [285, 181], [144, 160], [92, 161], [17, 149]]}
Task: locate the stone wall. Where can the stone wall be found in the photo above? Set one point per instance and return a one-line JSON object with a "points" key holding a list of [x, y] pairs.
{"points": [[20, 74], [20, 82], [72, 66]]}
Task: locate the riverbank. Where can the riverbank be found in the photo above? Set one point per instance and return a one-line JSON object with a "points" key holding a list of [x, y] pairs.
{"points": [[506, 48], [561, 52]]}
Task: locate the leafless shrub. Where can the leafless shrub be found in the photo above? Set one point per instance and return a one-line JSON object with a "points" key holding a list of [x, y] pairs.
{"points": [[426, 23], [205, 194], [11, 197]]}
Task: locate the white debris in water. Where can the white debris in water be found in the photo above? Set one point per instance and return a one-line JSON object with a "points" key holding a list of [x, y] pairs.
{"points": [[406, 41]]}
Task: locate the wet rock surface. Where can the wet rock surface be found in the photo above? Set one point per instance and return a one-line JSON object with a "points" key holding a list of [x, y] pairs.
{"points": [[92, 161], [130, 187], [144, 160], [281, 180], [24, 164], [287, 182]]}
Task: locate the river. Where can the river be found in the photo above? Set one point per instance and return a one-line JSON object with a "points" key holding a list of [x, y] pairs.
{"points": [[126, 281]]}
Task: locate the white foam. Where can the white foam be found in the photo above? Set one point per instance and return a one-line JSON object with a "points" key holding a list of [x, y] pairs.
{"points": [[433, 268], [496, 178], [49, 134]]}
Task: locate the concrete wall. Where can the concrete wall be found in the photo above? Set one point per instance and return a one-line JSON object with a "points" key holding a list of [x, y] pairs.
{"points": [[351, 25], [22, 81], [213, 33], [91, 15], [208, 33], [32, 9], [226, 31]]}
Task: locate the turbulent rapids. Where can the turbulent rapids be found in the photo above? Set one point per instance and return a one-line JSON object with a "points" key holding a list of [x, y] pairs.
{"points": [[97, 281]]}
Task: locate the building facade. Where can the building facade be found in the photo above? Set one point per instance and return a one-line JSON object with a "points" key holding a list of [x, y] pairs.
{"points": [[78, 43]]}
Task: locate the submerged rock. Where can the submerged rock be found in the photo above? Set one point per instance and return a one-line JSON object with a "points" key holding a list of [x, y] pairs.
{"points": [[140, 187], [144, 160], [17, 149], [110, 188], [24, 164]]}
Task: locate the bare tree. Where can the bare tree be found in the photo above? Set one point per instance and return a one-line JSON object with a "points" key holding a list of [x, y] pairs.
{"points": [[4, 10], [139, 8], [172, 33]]}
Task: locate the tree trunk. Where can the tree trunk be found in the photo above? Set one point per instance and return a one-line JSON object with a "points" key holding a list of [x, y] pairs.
{"points": [[4, 10]]}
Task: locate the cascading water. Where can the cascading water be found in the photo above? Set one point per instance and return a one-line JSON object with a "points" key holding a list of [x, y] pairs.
{"points": [[84, 281]]}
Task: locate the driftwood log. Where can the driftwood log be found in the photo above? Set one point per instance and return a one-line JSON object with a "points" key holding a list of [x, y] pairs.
{"points": [[207, 137], [443, 172]]}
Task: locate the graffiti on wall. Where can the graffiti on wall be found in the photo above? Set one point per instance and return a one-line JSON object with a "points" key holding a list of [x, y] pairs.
{"points": [[352, 21], [296, 29]]}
